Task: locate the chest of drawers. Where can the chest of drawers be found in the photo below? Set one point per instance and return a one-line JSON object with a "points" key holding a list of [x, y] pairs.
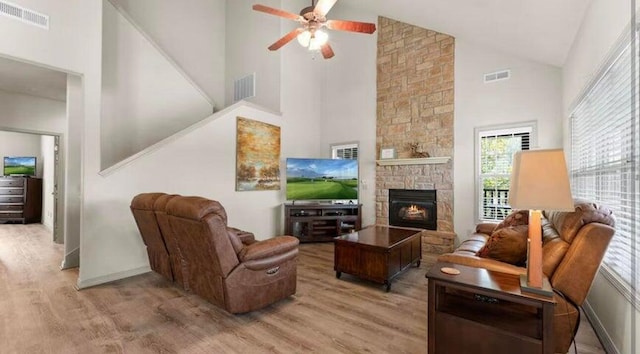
{"points": [[20, 199]]}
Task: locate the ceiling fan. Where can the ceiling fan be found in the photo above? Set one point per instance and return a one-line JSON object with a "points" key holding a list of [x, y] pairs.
{"points": [[312, 19]]}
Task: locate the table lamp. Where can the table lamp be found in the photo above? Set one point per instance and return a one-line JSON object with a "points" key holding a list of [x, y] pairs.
{"points": [[539, 181]]}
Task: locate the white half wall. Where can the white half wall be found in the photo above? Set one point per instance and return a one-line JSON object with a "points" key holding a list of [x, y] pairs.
{"points": [[615, 320], [191, 33], [144, 98], [534, 93]]}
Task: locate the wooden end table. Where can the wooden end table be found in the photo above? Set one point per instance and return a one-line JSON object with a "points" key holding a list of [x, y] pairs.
{"points": [[482, 311], [378, 253]]}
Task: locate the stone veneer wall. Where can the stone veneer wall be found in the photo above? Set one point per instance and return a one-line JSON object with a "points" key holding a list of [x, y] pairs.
{"points": [[415, 105]]}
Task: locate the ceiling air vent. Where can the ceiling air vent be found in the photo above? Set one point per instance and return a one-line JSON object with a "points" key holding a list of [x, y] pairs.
{"points": [[25, 15], [497, 76], [244, 87]]}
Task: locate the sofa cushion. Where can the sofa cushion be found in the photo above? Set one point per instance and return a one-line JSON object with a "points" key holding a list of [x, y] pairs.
{"points": [[516, 218], [508, 244], [569, 223]]}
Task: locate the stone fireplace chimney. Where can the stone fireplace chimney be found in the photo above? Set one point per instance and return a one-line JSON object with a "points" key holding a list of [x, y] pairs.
{"points": [[415, 105]]}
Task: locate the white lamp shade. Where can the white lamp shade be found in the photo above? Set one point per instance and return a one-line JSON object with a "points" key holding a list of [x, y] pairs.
{"points": [[539, 181]]}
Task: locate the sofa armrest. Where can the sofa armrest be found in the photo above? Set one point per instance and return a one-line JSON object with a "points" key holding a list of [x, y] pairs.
{"points": [[267, 248], [272, 263], [245, 237], [486, 228], [479, 262]]}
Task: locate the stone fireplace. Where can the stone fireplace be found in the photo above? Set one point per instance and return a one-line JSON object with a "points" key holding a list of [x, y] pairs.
{"points": [[413, 208], [415, 76]]}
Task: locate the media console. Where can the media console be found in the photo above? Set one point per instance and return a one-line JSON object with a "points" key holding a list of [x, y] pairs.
{"points": [[321, 222]]}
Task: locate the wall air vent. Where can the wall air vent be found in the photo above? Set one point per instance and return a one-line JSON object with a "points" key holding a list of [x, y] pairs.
{"points": [[244, 87], [497, 76], [25, 15]]}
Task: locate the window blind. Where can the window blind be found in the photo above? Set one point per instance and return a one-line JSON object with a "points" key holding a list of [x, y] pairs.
{"points": [[496, 158], [604, 160], [348, 152]]}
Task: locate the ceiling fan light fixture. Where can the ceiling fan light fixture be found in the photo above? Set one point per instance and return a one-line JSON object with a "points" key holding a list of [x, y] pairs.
{"points": [[304, 38], [318, 39]]}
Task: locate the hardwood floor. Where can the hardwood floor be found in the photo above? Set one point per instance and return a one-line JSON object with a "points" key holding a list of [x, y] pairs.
{"points": [[41, 312]]}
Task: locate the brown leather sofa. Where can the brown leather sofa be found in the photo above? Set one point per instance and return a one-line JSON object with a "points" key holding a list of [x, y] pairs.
{"points": [[188, 241], [574, 244]]}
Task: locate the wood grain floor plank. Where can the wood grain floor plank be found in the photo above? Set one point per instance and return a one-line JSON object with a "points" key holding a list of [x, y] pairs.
{"points": [[41, 312]]}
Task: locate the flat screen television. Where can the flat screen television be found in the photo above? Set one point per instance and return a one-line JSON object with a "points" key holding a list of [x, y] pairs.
{"points": [[322, 179], [20, 166]]}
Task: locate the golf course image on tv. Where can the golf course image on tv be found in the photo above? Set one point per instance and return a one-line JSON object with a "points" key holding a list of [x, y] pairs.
{"points": [[322, 179], [19, 166]]}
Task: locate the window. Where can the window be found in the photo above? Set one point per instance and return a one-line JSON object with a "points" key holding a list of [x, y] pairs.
{"points": [[495, 149], [345, 151], [604, 161]]}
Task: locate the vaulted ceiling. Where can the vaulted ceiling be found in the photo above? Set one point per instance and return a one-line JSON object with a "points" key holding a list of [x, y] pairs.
{"points": [[540, 30]]}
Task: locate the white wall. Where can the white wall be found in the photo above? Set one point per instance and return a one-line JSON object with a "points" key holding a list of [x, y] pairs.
{"points": [[144, 98], [200, 162], [72, 44], [349, 112], [191, 34], [604, 22], [248, 34], [21, 144], [31, 113], [534, 93], [47, 146]]}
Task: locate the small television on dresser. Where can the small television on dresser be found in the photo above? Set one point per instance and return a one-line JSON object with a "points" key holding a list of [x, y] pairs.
{"points": [[19, 166], [311, 179]]}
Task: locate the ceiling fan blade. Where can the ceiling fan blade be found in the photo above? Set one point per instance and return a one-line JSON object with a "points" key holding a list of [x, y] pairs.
{"points": [[286, 39], [323, 6], [277, 12], [351, 26], [326, 50]]}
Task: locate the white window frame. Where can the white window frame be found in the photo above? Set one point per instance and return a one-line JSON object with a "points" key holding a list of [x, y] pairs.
{"points": [[335, 148], [479, 132]]}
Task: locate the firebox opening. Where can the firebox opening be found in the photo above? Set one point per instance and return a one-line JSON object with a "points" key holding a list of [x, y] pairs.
{"points": [[413, 208]]}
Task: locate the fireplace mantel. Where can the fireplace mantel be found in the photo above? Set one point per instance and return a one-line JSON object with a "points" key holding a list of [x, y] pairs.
{"points": [[420, 161]]}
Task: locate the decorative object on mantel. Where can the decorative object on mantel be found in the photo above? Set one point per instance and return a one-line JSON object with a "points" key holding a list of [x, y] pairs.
{"points": [[416, 151], [387, 153]]}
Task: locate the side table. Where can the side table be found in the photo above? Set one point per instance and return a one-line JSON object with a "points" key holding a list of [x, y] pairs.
{"points": [[482, 311]]}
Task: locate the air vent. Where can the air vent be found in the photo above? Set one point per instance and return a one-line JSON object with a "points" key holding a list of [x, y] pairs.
{"points": [[25, 15], [244, 87], [497, 76]]}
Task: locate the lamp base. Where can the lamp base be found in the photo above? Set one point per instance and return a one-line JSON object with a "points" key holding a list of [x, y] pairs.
{"points": [[546, 289]]}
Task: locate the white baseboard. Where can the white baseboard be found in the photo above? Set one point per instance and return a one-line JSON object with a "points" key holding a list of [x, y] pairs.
{"points": [[601, 332], [87, 283], [71, 259]]}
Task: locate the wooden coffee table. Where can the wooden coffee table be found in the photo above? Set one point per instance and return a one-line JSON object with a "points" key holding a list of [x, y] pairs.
{"points": [[377, 253]]}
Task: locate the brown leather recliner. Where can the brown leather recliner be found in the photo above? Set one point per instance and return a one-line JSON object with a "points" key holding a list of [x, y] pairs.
{"points": [[574, 244], [149, 212], [233, 275], [142, 208]]}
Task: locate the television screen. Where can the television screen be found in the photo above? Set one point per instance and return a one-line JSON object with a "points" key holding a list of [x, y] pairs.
{"points": [[322, 179], [25, 166]]}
